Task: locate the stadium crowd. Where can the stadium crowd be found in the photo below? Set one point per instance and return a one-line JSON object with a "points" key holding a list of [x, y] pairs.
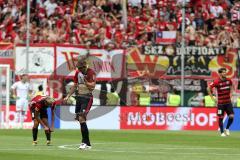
{"points": [[103, 22]]}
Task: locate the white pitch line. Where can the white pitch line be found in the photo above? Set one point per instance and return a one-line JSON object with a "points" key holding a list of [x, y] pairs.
{"points": [[24, 149], [137, 151], [161, 152]]}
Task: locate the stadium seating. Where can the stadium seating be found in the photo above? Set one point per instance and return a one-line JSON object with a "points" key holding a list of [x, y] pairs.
{"points": [[100, 22]]}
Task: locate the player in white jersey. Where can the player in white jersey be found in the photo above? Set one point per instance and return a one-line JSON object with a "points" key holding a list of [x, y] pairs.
{"points": [[21, 91]]}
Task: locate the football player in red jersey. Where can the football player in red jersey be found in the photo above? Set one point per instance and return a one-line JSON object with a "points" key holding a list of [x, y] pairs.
{"points": [[84, 82], [38, 107], [224, 88]]}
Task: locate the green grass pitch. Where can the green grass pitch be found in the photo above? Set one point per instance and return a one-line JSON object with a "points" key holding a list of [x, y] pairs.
{"points": [[121, 145]]}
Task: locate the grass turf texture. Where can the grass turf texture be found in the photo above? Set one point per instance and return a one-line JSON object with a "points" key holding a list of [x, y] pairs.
{"points": [[121, 145]]}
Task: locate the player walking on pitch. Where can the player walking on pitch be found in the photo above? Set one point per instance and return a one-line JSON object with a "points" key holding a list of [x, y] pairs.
{"points": [[224, 90], [21, 92], [38, 107], [84, 82]]}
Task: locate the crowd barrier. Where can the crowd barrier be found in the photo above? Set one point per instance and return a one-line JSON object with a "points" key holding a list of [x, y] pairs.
{"points": [[133, 117]]}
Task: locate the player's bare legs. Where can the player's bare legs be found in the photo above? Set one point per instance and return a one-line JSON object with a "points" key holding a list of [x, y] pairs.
{"points": [[84, 131], [47, 132], [35, 131], [230, 121]]}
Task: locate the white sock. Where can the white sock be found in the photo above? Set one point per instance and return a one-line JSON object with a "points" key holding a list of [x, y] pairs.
{"points": [[17, 120], [22, 118]]}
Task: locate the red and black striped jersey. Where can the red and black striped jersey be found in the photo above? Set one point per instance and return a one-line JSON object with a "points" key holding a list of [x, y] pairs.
{"points": [[38, 102], [223, 90], [79, 76]]}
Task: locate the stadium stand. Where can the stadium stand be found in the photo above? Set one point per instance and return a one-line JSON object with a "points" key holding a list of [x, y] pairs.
{"points": [[99, 22]]}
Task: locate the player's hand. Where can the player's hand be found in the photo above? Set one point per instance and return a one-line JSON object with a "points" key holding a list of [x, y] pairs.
{"points": [[65, 99], [46, 128], [14, 97], [51, 129], [85, 80]]}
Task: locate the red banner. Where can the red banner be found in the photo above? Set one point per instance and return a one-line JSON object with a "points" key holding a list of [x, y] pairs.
{"points": [[6, 55], [168, 118], [12, 118]]}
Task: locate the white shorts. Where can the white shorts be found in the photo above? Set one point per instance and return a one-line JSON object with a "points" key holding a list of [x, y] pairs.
{"points": [[21, 104]]}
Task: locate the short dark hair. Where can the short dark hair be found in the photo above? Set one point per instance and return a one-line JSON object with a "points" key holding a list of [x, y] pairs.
{"points": [[221, 70], [40, 88]]}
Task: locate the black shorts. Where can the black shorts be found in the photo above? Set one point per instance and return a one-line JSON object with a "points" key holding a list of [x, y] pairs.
{"points": [[42, 113], [83, 104], [222, 108]]}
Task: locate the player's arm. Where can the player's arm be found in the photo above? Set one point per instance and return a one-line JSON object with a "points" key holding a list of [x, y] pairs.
{"points": [[91, 84], [30, 91], [36, 115], [72, 90], [209, 90], [231, 90], [14, 93], [52, 119], [13, 89]]}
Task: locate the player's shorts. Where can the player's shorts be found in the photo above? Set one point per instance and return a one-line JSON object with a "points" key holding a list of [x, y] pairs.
{"points": [[83, 104], [222, 108], [21, 104], [42, 113]]}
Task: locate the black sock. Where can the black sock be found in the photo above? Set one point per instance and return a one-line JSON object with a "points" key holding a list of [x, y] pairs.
{"points": [[220, 123], [230, 121], [85, 133], [48, 135], [34, 133]]}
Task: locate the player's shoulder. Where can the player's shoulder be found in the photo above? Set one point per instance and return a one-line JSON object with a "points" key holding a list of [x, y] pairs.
{"points": [[216, 81], [91, 71], [38, 98], [76, 71], [17, 83], [229, 80]]}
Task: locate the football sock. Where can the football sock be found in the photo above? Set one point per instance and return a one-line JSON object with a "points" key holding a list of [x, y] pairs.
{"points": [[18, 117], [34, 133], [230, 121], [48, 135], [220, 123], [22, 117], [85, 133]]}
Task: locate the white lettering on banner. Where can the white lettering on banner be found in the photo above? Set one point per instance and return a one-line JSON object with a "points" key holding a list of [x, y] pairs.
{"points": [[207, 119], [106, 64], [154, 50], [212, 119], [201, 119], [6, 53], [148, 119], [171, 118], [160, 121], [200, 51], [134, 119], [13, 116]]}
